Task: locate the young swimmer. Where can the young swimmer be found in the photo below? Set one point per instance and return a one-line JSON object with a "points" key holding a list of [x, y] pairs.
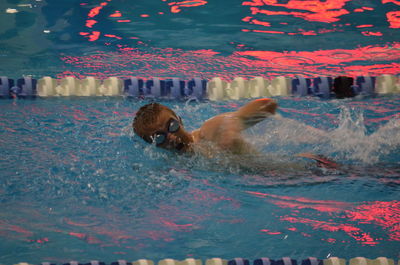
{"points": [[221, 134], [158, 124]]}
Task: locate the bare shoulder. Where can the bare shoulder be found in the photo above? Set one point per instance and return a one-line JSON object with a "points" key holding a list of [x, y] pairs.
{"points": [[218, 126]]}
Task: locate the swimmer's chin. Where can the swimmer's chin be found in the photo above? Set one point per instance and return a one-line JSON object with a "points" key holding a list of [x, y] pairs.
{"points": [[184, 148]]}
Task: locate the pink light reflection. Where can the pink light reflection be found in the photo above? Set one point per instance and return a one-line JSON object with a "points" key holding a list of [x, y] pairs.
{"points": [[312, 10], [208, 63], [176, 6], [349, 216], [329, 11], [96, 10], [394, 19]]}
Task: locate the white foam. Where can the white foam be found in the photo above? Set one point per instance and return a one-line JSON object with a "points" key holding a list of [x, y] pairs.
{"points": [[351, 138], [349, 141]]}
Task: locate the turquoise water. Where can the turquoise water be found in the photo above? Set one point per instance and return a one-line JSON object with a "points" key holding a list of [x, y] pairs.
{"points": [[198, 38], [76, 184]]}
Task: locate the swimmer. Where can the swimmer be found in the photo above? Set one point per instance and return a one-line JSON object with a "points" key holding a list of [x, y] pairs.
{"points": [[159, 125], [221, 134]]}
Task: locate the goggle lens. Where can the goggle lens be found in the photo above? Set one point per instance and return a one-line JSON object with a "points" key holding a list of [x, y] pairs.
{"points": [[160, 137], [173, 126]]}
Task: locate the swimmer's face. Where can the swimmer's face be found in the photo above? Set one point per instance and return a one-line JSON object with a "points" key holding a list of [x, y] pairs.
{"points": [[168, 132]]}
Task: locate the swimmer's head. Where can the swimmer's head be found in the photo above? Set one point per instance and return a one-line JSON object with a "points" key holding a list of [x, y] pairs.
{"points": [[158, 124]]}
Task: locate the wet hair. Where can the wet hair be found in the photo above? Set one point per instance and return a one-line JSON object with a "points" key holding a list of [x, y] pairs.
{"points": [[146, 116]]}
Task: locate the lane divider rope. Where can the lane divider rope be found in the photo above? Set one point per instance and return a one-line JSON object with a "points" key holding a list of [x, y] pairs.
{"points": [[215, 89], [242, 261]]}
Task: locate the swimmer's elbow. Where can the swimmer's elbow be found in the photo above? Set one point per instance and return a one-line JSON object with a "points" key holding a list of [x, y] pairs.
{"points": [[258, 107]]}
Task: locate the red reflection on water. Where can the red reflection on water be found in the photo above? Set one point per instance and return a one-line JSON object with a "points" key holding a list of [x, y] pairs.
{"points": [[267, 231], [370, 33], [304, 32], [258, 22], [394, 19], [176, 6], [397, 2], [312, 10], [5, 228], [96, 10], [268, 31], [385, 214], [170, 62], [328, 11], [94, 36], [352, 231], [348, 216], [112, 36], [327, 62], [365, 26], [116, 14], [380, 120], [175, 226], [367, 8], [90, 23], [334, 57]]}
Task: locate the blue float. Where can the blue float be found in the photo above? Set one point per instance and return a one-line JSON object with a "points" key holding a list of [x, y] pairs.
{"points": [[155, 88], [238, 261], [175, 88], [322, 87], [196, 88], [365, 85], [301, 86], [25, 88], [263, 261], [312, 261], [5, 87], [133, 87]]}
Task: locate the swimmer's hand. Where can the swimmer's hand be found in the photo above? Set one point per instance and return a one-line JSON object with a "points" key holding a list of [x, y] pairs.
{"points": [[321, 160], [256, 111]]}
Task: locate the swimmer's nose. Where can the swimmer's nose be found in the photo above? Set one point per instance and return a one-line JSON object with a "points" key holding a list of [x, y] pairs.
{"points": [[172, 137]]}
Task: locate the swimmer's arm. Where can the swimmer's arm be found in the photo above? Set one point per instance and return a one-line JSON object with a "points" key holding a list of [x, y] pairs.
{"points": [[221, 133], [256, 111]]}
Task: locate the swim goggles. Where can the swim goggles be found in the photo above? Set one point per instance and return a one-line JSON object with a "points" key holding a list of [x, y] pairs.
{"points": [[160, 137]]}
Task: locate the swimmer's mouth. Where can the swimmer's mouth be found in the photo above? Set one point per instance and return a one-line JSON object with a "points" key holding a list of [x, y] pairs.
{"points": [[179, 146]]}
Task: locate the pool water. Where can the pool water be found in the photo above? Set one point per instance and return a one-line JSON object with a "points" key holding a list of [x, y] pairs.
{"points": [[78, 185], [185, 39]]}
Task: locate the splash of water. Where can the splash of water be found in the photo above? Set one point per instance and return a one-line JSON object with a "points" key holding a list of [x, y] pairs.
{"points": [[348, 142]]}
